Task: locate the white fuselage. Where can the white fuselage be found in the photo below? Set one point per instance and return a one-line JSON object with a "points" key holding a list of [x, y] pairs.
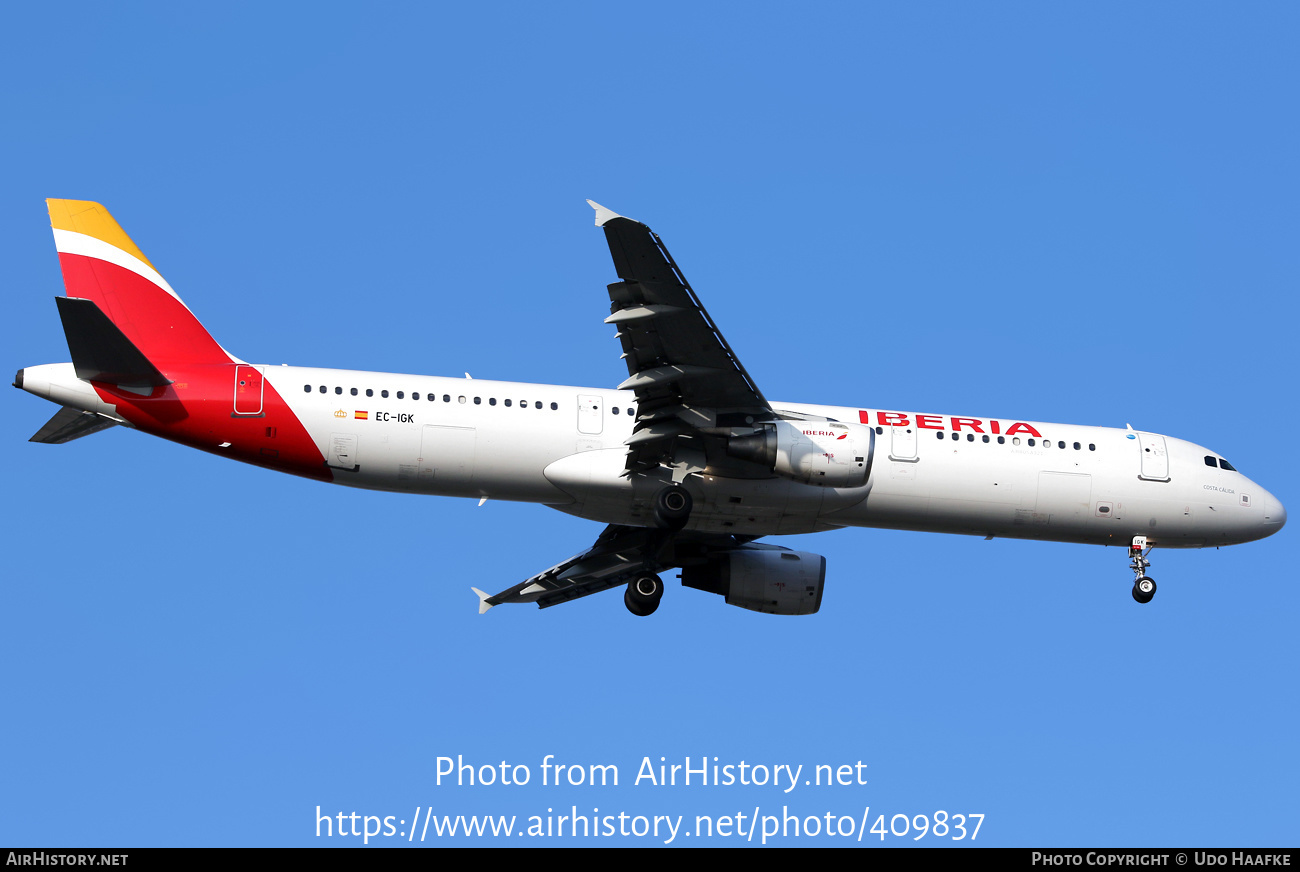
{"points": [[563, 446]]}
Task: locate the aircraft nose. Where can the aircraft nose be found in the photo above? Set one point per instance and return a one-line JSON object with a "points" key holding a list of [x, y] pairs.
{"points": [[1274, 514]]}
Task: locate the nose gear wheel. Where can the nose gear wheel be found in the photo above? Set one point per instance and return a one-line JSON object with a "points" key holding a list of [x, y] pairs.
{"points": [[1144, 587]]}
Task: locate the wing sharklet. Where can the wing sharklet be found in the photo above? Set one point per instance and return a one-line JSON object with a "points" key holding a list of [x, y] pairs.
{"points": [[602, 214]]}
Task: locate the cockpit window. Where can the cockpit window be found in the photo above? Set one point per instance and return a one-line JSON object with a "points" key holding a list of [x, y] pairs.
{"points": [[1210, 460], [1226, 465]]}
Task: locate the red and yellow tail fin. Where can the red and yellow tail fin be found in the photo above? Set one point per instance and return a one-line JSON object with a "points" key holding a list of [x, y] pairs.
{"points": [[101, 263]]}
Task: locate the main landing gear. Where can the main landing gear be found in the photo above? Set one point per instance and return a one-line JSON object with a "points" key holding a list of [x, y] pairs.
{"points": [[643, 594], [672, 507], [1144, 588]]}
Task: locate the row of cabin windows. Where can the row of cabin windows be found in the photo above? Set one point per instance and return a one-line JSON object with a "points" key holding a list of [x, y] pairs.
{"points": [[446, 398], [1221, 464], [1002, 440]]}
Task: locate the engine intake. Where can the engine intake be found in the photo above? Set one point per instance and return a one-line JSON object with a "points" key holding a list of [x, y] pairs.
{"points": [[762, 578]]}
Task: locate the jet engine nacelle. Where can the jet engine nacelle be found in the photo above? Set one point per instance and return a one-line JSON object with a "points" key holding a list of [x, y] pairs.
{"points": [[762, 579], [825, 453]]}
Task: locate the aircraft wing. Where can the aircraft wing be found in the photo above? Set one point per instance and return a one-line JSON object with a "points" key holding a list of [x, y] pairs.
{"points": [[617, 556], [686, 377]]}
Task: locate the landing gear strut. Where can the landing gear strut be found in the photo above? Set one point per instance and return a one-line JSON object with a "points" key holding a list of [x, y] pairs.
{"points": [[643, 594], [1144, 588], [672, 507]]}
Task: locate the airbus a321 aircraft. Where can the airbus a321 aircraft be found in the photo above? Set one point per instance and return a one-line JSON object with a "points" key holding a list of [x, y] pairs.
{"points": [[686, 461]]}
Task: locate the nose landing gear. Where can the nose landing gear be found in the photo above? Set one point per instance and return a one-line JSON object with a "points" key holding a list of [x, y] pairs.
{"points": [[1144, 588]]}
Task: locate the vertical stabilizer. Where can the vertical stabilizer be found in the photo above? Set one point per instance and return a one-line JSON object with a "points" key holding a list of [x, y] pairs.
{"points": [[101, 263]]}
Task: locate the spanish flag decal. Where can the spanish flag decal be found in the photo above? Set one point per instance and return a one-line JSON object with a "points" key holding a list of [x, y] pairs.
{"points": [[362, 416]]}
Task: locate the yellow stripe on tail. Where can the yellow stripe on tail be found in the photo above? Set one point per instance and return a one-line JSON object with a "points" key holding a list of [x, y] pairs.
{"points": [[92, 219]]}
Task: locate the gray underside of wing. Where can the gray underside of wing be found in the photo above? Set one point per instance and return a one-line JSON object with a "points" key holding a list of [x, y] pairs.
{"points": [[688, 382], [618, 555]]}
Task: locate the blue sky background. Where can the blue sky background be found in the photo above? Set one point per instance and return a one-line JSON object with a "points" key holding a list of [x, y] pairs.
{"points": [[1054, 212]]}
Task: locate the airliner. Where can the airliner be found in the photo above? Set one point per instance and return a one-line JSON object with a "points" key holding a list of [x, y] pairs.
{"points": [[686, 461]]}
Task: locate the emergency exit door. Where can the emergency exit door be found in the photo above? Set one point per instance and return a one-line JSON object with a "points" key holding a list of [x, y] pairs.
{"points": [[591, 414]]}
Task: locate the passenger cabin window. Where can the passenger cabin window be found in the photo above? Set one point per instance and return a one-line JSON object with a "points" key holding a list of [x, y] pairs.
{"points": [[554, 406], [384, 394], [370, 392]]}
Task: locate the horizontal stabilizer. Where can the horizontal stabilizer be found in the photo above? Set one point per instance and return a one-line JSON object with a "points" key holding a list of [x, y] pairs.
{"points": [[100, 351], [68, 424]]}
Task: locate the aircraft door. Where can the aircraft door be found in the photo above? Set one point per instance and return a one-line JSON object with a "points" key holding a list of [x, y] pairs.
{"points": [[591, 414], [1155, 459], [248, 390], [902, 444]]}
